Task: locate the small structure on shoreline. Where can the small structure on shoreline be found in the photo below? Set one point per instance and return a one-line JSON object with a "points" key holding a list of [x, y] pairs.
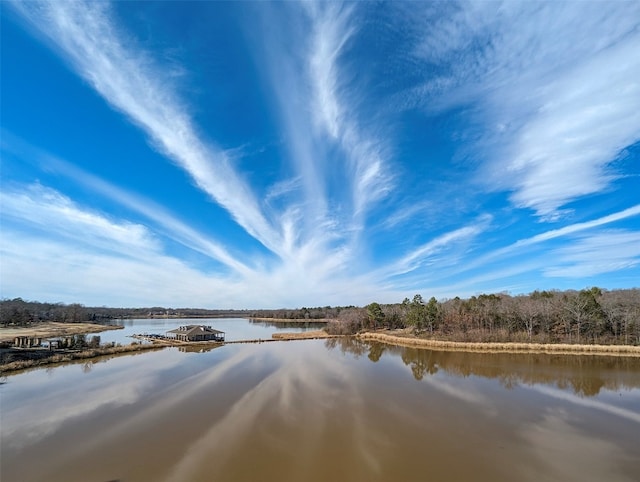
{"points": [[196, 333], [27, 342]]}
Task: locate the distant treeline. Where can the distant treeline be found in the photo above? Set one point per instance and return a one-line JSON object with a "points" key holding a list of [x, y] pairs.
{"points": [[591, 315], [18, 312]]}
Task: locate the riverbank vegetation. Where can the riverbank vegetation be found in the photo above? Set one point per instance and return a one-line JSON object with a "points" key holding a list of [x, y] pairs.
{"points": [[589, 316], [15, 360], [403, 339]]}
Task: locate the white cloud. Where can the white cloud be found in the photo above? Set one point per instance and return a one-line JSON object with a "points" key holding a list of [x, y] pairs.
{"points": [[555, 88], [552, 108], [584, 120], [445, 242], [330, 33], [129, 80], [82, 255], [168, 223], [603, 252], [47, 209], [340, 166], [75, 273], [334, 102], [87, 36], [97, 260], [281, 189], [523, 249], [575, 228]]}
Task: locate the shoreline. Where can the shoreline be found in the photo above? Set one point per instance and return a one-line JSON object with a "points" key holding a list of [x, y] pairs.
{"points": [[305, 335], [493, 347], [67, 329], [69, 356], [87, 354], [52, 329], [289, 320]]}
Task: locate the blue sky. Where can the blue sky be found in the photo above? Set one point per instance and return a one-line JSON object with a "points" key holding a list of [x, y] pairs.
{"points": [[284, 154]]}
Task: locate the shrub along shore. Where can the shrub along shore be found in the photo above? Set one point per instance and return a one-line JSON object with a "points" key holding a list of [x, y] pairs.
{"points": [[68, 356], [492, 347]]}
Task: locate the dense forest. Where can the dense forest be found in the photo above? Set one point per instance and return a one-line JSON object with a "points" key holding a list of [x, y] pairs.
{"points": [[588, 316], [591, 315]]}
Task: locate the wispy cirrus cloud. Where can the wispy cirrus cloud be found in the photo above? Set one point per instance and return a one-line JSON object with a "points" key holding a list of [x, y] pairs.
{"points": [[310, 257], [350, 206], [46, 209], [334, 102], [523, 250], [168, 224], [89, 256], [331, 30], [554, 92], [577, 227], [423, 254], [340, 166], [604, 252], [88, 37]]}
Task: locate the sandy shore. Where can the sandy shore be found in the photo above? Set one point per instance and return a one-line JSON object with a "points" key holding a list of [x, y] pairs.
{"points": [[52, 329], [560, 349]]}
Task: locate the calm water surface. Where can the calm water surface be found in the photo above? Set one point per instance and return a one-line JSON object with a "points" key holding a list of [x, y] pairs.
{"points": [[324, 410]]}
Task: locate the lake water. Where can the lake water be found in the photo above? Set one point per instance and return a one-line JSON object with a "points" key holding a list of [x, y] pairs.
{"points": [[234, 328], [324, 410]]}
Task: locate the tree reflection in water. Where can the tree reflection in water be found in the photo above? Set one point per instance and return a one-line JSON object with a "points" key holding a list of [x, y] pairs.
{"points": [[585, 375]]}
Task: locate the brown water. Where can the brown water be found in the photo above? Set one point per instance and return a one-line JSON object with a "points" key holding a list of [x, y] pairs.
{"points": [[324, 410]]}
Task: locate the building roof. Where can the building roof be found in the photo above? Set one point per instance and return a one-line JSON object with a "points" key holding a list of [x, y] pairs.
{"points": [[192, 330]]}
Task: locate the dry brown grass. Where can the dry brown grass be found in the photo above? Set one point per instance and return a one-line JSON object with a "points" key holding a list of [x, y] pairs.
{"points": [[52, 329], [76, 355], [564, 349], [305, 335]]}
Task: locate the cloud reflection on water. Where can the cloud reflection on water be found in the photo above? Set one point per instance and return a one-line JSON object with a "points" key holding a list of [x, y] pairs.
{"points": [[586, 402], [565, 452], [312, 410], [74, 396], [303, 391]]}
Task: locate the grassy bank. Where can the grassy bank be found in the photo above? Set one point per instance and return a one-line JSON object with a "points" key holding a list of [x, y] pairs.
{"points": [[305, 335], [564, 349], [67, 356]]}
